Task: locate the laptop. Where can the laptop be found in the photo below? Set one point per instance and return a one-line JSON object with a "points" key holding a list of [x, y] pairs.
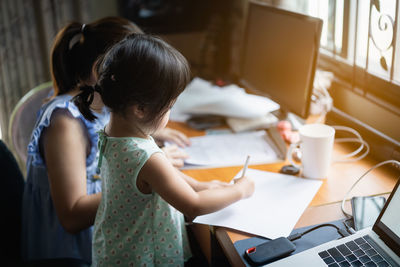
{"points": [[378, 245]]}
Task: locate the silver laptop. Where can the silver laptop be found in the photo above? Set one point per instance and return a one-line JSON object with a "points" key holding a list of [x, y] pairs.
{"points": [[376, 246]]}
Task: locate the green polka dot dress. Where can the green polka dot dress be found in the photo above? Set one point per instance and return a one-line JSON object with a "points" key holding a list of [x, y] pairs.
{"points": [[131, 228]]}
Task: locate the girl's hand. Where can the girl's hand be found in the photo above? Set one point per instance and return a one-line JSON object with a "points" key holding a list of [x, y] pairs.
{"points": [[175, 155], [172, 136], [246, 185]]}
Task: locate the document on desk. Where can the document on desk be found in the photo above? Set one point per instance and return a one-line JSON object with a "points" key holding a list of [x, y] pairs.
{"points": [[272, 211], [229, 150]]}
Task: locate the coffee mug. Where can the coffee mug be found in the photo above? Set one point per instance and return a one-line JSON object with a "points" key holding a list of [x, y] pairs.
{"points": [[315, 145]]}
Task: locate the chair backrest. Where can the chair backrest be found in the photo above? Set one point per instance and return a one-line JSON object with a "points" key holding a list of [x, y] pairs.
{"points": [[11, 190], [23, 119]]}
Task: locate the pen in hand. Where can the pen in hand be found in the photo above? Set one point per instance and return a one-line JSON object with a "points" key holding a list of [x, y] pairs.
{"points": [[247, 184], [244, 169], [245, 166]]}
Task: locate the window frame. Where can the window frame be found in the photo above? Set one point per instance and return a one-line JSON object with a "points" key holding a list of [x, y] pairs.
{"points": [[357, 78]]}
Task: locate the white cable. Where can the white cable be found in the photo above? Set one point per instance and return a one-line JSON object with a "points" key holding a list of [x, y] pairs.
{"points": [[351, 140], [359, 139], [359, 179], [364, 144]]}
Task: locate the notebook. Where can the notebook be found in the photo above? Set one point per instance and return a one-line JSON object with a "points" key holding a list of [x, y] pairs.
{"points": [[374, 246]]}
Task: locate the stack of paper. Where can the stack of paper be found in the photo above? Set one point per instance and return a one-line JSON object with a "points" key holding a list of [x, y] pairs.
{"points": [[241, 124], [201, 97]]}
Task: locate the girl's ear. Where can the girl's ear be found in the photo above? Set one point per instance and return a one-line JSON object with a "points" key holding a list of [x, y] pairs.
{"points": [[139, 111]]}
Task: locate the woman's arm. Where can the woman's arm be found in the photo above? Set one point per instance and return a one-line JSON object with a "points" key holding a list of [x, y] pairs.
{"points": [[163, 178], [65, 145]]}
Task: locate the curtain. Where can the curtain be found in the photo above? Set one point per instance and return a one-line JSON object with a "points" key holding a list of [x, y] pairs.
{"points": [[27, 30]]}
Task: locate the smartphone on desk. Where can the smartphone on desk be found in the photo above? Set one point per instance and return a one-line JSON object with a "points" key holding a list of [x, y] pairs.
{"points": [[366, 210]]}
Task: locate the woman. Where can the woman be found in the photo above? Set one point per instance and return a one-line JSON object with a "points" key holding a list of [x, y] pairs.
{"points": [[62, 192]]}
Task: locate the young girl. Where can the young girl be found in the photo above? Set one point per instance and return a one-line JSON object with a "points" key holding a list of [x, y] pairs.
{"points": [[139, 220], [62, 192]]}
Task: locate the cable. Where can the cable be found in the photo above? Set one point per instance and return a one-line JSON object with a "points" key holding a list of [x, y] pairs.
{"points": [[348, 224], [355, 152], [359, 179], [299, 235], [359, 139]]}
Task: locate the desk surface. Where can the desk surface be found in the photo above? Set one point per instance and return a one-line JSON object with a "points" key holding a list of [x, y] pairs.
{"points": [[324, 207]]}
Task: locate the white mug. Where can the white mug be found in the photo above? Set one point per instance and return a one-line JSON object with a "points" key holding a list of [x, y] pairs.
{"points": [[316, 145]]}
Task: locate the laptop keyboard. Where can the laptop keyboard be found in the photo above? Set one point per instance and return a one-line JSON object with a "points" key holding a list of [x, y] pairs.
{"points": [[359, 252]]}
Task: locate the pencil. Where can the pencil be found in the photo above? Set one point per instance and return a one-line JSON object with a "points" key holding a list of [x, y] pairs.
{"points": [[245, 166]]}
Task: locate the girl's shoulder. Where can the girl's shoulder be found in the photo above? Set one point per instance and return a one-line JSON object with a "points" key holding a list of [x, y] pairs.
{"points": [[62, 106], [127, 146]]}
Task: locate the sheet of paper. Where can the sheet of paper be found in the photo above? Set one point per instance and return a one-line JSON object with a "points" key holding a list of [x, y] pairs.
{"points": [[202, 97], [272, 211], [229, 150]]}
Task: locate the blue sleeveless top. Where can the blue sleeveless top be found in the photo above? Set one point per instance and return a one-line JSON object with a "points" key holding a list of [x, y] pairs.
{"points": [[43, 237]]}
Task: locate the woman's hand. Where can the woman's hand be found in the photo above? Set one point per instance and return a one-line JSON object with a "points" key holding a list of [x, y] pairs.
{"points": [[172, 136], [175, 155]]}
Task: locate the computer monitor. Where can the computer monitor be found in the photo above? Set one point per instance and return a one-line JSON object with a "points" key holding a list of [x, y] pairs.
{"points": [[279, 56]]}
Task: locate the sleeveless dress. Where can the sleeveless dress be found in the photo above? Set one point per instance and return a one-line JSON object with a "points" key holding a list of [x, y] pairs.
{"points": [[132, 228], [43, 237]]}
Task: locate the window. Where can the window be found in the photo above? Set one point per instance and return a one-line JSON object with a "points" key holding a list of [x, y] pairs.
{"points": [[360, 43]]}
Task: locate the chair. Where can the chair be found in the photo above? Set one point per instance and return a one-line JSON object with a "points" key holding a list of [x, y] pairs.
{"points": [[23, 119], [12, 187]]}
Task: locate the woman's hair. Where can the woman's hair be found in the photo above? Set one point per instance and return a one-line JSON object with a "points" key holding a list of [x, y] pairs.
{"points": [[141, 69], [77, 47]]}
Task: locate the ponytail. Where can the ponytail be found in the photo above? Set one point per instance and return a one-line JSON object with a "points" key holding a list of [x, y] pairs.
{"points": [[77, 46], [84, 99], [63, 61]]}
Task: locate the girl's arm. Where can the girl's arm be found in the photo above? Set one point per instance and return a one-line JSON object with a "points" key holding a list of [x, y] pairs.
{"points": [[65, 145], [199, 186], [163, 178]]}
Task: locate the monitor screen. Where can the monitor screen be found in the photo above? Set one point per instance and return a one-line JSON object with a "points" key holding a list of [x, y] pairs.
{"points": [[279, 55], [387, 226]]}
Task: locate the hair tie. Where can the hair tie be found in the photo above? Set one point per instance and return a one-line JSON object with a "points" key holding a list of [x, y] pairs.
{"points": [[87, 94], [83, 101], [77, 37], [97, 89]]}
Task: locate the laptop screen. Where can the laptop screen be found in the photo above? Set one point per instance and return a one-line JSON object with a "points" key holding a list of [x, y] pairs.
{"points": [[387, 226]]}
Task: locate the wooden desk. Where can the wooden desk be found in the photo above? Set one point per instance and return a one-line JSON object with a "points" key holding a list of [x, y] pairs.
{"points": [[323, 208]]}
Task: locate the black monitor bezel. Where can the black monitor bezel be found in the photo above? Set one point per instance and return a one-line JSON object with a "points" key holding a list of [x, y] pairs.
{"points": [[255, 4], [383, 231]]}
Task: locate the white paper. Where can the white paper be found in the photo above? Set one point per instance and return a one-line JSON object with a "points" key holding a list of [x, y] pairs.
{"points": [[203, 98], [229, 150], [272, 211]]}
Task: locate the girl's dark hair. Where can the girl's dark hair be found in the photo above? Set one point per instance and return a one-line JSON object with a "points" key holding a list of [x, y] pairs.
{"points": [[141, 69], [77, 46]]}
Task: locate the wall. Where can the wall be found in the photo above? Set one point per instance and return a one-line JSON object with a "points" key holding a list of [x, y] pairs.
{"points": [[27, 29]]}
